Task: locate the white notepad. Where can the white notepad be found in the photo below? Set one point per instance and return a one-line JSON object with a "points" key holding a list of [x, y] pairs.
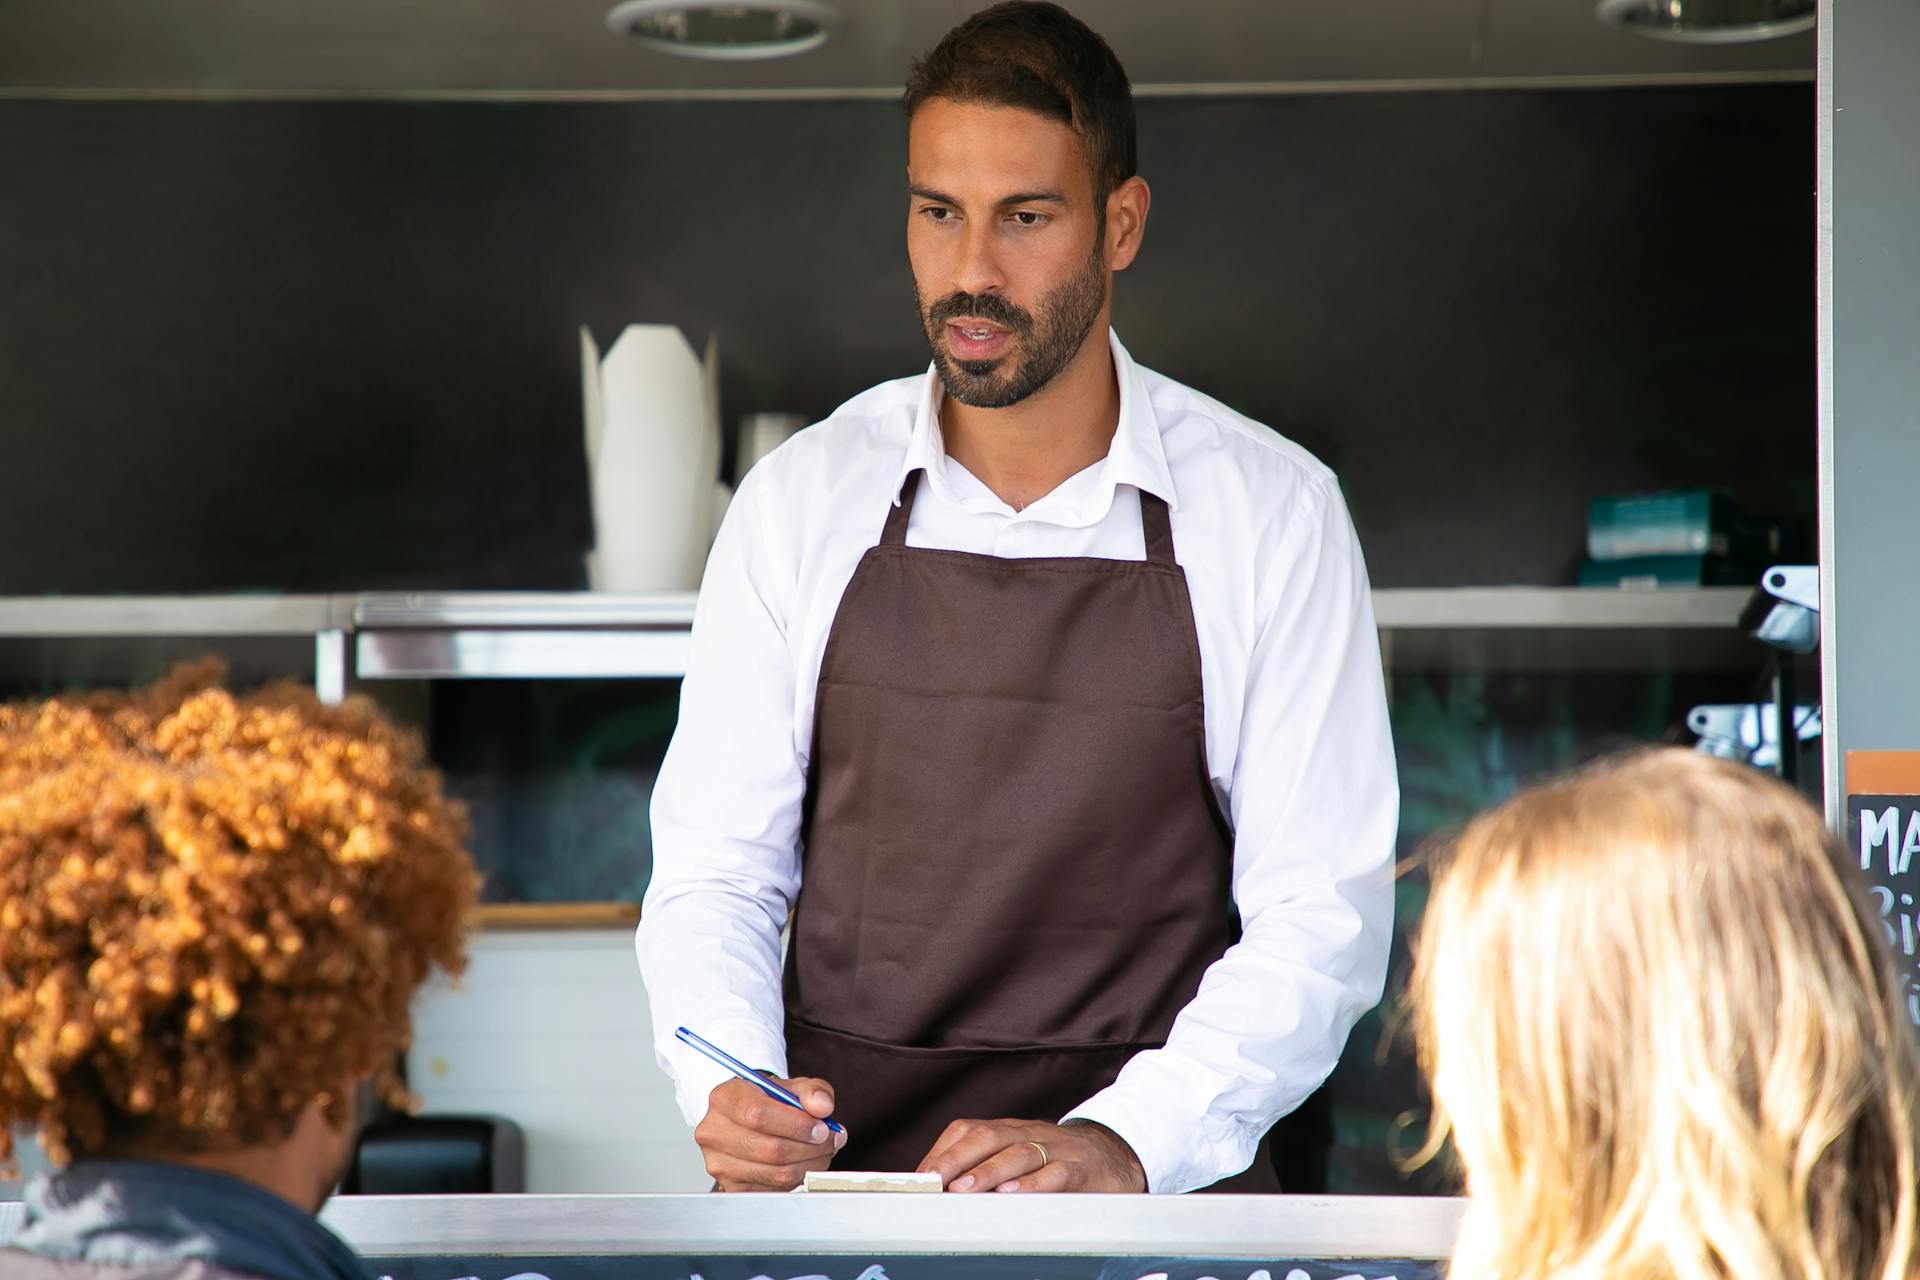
{"points": [[837, 1180]]}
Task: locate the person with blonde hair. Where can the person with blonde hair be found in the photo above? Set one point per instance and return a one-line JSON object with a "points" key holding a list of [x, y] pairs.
{"points": [[214, 912], [1663, 1030]]}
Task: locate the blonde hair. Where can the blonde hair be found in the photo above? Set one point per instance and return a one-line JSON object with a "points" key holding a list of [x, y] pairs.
{"points": [[1664, 1033], [214, 910]]}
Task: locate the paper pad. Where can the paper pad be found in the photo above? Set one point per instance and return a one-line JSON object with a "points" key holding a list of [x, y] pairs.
{"points": [[835, 1180]]}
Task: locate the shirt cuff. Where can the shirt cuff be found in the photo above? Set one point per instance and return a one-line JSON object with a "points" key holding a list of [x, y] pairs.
{"points": [[1176, 1152], [696, 1076]]}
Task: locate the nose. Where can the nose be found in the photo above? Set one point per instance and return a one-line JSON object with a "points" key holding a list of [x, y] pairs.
{"points": [[977, 269]]}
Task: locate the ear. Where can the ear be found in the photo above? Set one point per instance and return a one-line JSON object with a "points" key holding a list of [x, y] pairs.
{"points": [[1127, 221]]}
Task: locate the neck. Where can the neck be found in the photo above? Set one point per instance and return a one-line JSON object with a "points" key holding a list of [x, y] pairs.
{"points": [[302, 1169], [1025, 451], [268, 1168]]}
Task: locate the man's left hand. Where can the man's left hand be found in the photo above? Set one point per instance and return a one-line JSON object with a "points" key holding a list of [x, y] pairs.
{"points": [[1002, 1155]]}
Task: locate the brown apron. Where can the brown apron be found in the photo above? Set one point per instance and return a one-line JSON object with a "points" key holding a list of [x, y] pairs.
{"points": [[1015, 867]]}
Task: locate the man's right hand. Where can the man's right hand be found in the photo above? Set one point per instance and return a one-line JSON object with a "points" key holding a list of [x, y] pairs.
{"points": [[753, 1143]]}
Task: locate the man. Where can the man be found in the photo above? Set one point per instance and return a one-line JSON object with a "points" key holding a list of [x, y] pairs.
{"points": [[214, 912], [1011, 683]]}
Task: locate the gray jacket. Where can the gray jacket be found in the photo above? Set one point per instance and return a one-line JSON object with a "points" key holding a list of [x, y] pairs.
{"points": [[16, 1265], [138, 1220]]}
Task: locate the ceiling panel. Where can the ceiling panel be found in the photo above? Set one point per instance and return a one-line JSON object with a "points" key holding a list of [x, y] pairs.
{"points": [[546, 46], [1561, 38]]}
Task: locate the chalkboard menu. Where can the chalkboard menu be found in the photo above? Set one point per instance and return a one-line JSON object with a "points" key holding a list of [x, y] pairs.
{"points": [[1883, 827], [970, 1267]]}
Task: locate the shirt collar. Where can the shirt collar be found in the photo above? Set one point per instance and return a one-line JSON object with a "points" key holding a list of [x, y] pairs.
{"points": [[1136, 457]]}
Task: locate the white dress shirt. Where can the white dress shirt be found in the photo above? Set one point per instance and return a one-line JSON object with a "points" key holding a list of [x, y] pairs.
{"points": [[1296, 739]]}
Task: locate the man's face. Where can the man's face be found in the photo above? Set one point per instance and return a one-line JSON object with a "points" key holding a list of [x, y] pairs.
{"points": [[1009, 261]]}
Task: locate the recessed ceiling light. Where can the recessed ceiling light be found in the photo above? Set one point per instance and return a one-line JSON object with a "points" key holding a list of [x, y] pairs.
{"points": [[1710, 21], [743, 29]]}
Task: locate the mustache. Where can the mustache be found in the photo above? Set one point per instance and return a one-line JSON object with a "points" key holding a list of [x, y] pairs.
{"points": [[990, 307]]}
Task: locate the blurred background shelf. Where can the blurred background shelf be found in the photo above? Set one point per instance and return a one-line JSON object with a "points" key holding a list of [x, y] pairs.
{"points": [[1557, 608], [583, 635], [160, 616], [1565, 629], [1402, 607], [511, 609]]}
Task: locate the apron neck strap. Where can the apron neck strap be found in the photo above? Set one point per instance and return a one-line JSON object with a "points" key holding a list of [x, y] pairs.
{"points": [[895, 533], [1157, 525]]}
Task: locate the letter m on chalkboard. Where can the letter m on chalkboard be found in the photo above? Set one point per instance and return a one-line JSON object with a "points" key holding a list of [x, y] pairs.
{"points": [[1885, 830]]}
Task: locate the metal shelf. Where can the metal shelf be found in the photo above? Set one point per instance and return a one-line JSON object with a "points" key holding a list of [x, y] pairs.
{"points": [[476, 654], [558, 635], [1557, 608], [500, 609], [1398, 608], [235, 615], [1584, 629]]}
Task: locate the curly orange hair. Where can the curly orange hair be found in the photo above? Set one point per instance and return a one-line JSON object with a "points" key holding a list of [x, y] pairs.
{"points": [[214, 910]]}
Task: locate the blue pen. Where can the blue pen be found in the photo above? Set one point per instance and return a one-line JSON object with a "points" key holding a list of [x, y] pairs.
{"points": [[746, 1073]]}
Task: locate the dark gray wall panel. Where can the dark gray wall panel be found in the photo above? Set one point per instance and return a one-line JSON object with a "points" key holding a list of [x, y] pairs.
{"points": [[1873, 557], [332, 346]]}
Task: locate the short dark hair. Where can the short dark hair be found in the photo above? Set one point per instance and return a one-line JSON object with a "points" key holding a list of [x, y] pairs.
{"points": [[1036, 55]]}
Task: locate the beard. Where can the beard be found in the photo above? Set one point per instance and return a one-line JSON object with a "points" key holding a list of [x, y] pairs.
{"points": [[1042, 347]]}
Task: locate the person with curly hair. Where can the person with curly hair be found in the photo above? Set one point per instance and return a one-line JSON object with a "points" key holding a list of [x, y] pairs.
{"points": [[1663, 1029], [214, 912]]}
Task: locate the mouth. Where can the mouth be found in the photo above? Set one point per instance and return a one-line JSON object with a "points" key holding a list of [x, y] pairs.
{"points": [[976, 340]]}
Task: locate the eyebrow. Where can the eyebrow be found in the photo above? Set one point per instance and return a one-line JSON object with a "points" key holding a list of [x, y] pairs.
{"points": [[1022, 197]]}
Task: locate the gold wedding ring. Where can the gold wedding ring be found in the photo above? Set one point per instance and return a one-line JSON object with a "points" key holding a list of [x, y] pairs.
{"points": [[1045, 1159]]}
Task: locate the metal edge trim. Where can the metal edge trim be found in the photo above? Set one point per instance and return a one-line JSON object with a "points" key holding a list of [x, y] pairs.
{"points": [[888, 93], [170, 615], [1830, 758], [504, 610], [1397, 608], [413, 653], [1420, 1227], [1557, 608]]}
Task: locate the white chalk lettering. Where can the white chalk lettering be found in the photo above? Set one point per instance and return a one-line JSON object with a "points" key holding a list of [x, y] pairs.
{"points": [[1909, 846], [878, 1272], [1885, 895], [1877, 829]]}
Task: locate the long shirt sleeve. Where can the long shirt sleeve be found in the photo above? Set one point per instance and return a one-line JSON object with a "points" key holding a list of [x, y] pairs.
{"points": [[1315, 806], [726, 819]]}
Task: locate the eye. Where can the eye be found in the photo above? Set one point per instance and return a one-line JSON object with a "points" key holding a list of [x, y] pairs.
{"points": [[937, 213], [1030, 218]]}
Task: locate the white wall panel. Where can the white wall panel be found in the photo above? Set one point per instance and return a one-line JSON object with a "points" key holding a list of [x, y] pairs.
{"points": [[550, 1029]]}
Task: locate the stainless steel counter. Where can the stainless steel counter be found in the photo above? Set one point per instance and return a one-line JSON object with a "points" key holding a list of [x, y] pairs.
{"points": [[1213, 1227], [1342, 1227]]}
